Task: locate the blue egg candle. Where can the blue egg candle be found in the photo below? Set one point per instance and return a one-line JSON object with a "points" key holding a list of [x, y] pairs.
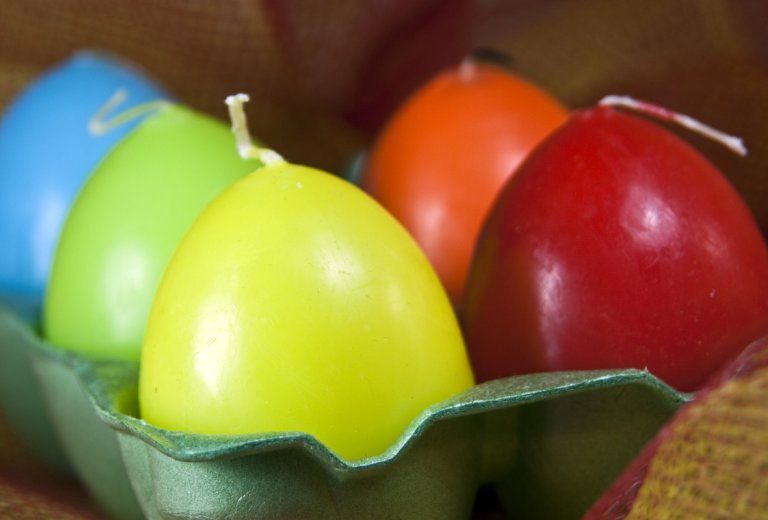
{"points": [[46, 154]]}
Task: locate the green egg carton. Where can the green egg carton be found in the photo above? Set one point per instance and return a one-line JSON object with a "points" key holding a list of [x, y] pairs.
{"points": [[21, 398], [90, 445], [550, 443], [41, 391]]}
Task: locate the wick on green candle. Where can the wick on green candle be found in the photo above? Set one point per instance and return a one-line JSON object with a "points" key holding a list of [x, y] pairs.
{"points": [[245, 146], [98, 125]]}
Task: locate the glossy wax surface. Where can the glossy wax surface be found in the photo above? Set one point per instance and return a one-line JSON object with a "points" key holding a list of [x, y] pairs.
{"points": [[616, 245], [296, 303], [440, 162], [125, 225], [46, 154]]}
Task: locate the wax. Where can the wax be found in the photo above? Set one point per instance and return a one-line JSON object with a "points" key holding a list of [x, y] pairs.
{"points": [[125, 225], [46, 154]]}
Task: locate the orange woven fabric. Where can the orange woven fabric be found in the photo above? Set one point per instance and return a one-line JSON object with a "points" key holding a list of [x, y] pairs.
{"points": [[715, 463], [22, 498], [30, 491], [710, 461]]}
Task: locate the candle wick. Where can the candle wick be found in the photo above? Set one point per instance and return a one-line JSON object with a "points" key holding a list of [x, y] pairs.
{"points": [[733, 143], [467, 68], [99, 125], [245, 146]]}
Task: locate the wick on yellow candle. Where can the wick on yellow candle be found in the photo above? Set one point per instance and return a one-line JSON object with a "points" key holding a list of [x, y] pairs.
{"points": [[245, 145]]}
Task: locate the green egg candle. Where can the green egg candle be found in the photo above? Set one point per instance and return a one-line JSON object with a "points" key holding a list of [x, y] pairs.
{"points": [[125, 225], [297, 303]]}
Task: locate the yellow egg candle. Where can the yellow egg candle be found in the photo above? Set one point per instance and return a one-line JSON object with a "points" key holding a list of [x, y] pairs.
{"points": [[296, 303]]}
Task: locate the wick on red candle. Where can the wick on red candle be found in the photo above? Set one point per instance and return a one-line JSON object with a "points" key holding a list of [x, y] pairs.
{"points": [[733, 143]]}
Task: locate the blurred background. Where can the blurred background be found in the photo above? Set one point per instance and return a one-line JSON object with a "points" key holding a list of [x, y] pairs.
{"points": [[324, 76]]}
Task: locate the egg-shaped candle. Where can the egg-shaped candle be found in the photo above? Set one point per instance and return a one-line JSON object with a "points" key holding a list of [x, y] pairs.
{"points": [[125, 225], [442, 159], [617, 245], [46, 153], [297, 303]]}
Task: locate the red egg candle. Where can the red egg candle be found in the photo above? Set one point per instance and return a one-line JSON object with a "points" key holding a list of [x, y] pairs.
{"points": [[441, 160], [617, 245]]}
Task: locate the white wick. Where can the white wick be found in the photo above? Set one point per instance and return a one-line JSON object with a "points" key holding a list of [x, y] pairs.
{"points": [[733, 143], [98, 125], [245, 146], [467, 68]]}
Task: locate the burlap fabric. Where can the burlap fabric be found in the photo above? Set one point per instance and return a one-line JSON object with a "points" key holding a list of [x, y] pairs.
{"points": [[710, 461], [30, 491], [325, 74]]}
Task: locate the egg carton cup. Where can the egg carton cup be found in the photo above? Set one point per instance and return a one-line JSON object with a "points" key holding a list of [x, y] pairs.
{"points": [[21, 397], [550, 443]]}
